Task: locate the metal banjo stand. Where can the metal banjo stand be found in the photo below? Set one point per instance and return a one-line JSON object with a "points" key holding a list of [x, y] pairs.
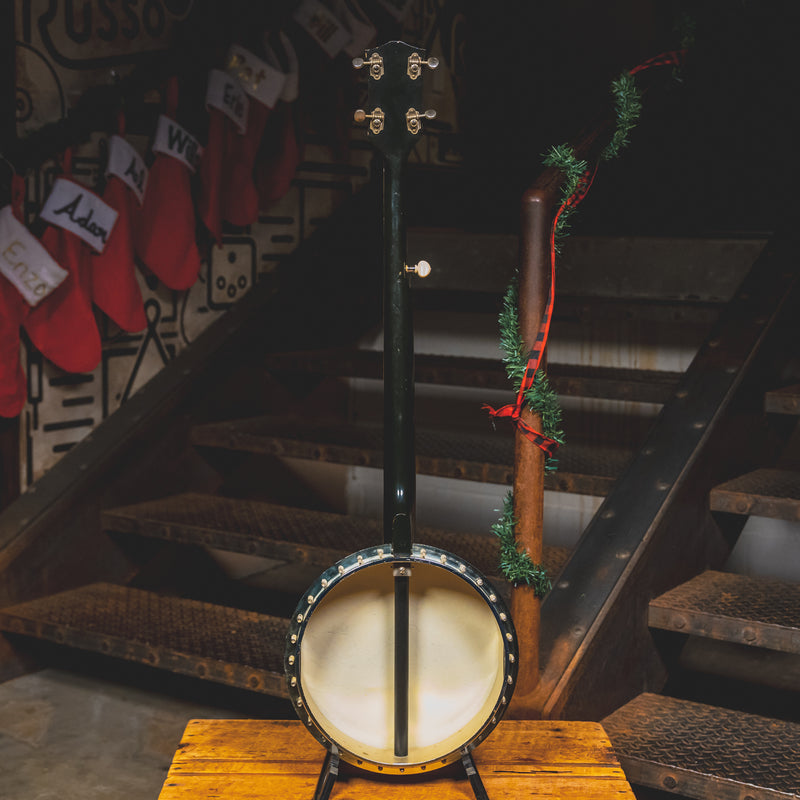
{"points": [[368, 646]]}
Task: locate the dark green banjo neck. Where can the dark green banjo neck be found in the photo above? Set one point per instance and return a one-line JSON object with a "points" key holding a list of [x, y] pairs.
{"points": [[395, 124]]}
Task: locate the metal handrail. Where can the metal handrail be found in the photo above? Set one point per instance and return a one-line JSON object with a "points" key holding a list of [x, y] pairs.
{"points": [[569, 629], [538, 207]]}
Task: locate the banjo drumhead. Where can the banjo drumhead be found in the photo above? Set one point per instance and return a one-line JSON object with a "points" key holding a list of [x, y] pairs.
{"points": [[460, 664]]}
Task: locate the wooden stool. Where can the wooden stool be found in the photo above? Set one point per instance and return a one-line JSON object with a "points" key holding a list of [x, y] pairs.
{"points": [[262, 760]]}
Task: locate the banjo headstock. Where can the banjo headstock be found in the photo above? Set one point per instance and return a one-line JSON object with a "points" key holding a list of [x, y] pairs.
{"points": [[395, 96]]}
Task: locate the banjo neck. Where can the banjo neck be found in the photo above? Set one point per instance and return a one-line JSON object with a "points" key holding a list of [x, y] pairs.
{"points": [[399, 468], [395, 95]]}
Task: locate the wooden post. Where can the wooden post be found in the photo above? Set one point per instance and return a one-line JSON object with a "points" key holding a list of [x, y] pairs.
{"points": [[534, 285]]}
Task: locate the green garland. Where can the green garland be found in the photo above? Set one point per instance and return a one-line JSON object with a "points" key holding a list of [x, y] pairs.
{"points": [[628, 102], [518, 566], [541, 398]]}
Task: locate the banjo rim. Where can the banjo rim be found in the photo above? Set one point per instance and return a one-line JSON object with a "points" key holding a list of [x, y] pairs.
{"points": [[382, 555]]}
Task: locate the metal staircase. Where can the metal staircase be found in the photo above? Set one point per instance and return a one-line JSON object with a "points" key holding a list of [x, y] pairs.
{"points": [[727, 726], [195, 569]]}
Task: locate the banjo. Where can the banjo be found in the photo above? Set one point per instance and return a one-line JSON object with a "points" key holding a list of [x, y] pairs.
{"points": [[401, 658]]}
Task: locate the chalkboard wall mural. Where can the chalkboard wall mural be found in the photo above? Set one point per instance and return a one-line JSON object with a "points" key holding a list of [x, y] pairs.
{"points": [[63, 48]]}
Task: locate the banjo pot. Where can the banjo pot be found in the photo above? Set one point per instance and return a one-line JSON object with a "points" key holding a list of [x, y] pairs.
{"points": [[462, 658]]}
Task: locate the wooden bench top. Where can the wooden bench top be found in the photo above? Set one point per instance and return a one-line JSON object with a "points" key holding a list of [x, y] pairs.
{"points": [[257, 760]]}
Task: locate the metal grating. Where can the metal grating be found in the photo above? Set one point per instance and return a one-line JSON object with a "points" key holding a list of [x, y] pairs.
{"points": [[294, 534], [705, 752], [226, 645], [483, 373], [783, 401], [734, 608], [764, 493], [585, 469]]}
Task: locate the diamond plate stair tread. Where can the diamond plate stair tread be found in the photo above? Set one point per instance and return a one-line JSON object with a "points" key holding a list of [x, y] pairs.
{"points": [[484, 373], [734, 608], [783, 401], [705, 752], [771, 493], [226, 645], [585, 469], [296, 534]]}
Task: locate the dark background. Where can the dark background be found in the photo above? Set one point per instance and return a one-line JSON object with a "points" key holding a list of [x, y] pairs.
{"points": [[715, 150]]}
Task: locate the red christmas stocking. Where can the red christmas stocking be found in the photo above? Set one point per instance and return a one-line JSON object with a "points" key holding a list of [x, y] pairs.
{"points": [[13, 390], [227, 104], [281, 156], [113, 275], [13, 308], [63, 326], [280, 151], [165, 241], [263, 84]]}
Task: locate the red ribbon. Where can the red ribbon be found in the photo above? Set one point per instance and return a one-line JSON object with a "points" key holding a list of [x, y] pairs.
{"points": [[514, 410], [674, 58]]}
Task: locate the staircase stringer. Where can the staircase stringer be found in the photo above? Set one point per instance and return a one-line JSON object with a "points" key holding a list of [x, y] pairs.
{"points": [[654, 529], [50, 537]]}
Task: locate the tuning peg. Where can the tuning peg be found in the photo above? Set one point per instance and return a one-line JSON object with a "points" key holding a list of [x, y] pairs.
{"points": [[375, 64], [421, 269], [375, 118], [413, 118], [416, 62]]}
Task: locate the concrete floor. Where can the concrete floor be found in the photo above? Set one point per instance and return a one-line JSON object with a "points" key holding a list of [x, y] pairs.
{"points": [[68, 736], [71, 735]]}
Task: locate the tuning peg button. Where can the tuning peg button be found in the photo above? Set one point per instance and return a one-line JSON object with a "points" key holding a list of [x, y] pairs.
{"points": [[413, 118], [376, 118], [421, 269], [416, 63], [375, 64]]}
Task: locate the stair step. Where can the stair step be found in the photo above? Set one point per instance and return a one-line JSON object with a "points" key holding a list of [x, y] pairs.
{"points": [[648, 386], [705, 752], [783, 401], [763, 493], [735, 608], [315, 538], [583, 469], [216, 643], [739, 662]]}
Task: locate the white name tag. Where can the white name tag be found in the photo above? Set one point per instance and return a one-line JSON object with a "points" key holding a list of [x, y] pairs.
{"points": [[173, 140], [261, 81], [25, 262], [126, 163], [322, 26], [80, 211], [226, 94], [361, 29], [291, 85]]}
